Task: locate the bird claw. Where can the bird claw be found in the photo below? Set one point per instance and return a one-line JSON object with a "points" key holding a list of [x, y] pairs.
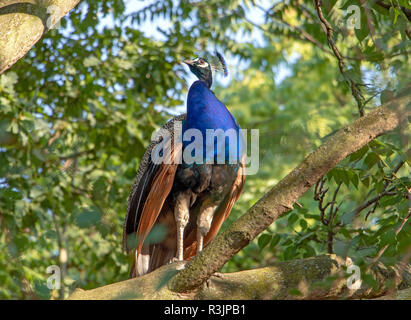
{"points": [[172, 260], [181, 263], [218, 275]]}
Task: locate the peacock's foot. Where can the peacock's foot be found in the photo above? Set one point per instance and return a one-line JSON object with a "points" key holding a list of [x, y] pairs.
{"points": [[218, 275], [181, 263], [172, 260]]}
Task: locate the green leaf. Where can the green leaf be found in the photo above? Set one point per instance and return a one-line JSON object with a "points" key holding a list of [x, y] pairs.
{"points": [[309, 251], [363, 31], [289, 253], [386, 96], [275, 240], [365, 181], [328, 5], [88, 217], [41, 289], [359, 154], [365, 252], [341, 247], [371, 160], [8, 80], [353, 177], [51, 234], [292, 219], [347, 217], [388, 238], [345, 177], [303, 224], [263, 240]]}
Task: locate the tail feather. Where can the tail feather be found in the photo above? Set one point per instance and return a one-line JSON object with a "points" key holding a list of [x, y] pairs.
{"points": [[150, 259]]}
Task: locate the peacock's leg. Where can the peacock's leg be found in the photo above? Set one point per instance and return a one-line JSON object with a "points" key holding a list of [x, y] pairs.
{"points": [[181, 214], [204, 220]]}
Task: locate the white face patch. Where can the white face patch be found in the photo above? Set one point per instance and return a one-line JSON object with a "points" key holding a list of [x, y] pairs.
{"points": [[201, 63]]}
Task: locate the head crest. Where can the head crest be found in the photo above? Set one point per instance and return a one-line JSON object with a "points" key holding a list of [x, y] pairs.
{"points": [[217, 62]]}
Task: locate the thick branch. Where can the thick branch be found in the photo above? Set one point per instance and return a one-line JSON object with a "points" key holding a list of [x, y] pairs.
{"points": [[281, 197], [22, 24], [294, 279]]}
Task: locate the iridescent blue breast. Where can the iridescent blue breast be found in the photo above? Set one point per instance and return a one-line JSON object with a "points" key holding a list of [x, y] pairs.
{"points": [[210, 124]]}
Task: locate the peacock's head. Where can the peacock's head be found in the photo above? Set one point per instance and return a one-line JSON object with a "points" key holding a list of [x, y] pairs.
{"points": [[202, 68]]}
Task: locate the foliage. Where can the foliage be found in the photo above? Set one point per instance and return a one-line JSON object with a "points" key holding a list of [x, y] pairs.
{"points": [[77, 112]]}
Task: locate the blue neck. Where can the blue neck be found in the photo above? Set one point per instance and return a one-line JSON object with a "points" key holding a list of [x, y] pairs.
{"points": [[205, 111]]}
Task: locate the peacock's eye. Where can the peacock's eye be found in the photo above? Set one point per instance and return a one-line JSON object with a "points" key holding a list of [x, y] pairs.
{"points": [[202, 63]]}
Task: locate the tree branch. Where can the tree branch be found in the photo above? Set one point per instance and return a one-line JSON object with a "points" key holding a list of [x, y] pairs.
{"points": [[384, 192], [281, 197], [355, 90], [406, 11], [302, 34], [23, 23], [293, 279], [397, 231]]}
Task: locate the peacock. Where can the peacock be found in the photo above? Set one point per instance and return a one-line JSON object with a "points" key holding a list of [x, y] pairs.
{"points": [[188, 200]]}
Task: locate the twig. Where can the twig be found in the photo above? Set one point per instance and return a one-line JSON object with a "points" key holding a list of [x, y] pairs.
{"points": [[406, 11], [355, 90], [371, 201], [384, 192], [304, 35], [403, 265], [76, 154], [319, 195], [370, 25], [397, 231]]}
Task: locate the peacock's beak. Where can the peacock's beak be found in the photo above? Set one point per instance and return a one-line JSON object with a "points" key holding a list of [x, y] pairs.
{"points": [[188, 62]]}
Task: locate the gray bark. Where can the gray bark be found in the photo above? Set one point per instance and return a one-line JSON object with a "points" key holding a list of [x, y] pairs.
{"points": [[22, 24]]}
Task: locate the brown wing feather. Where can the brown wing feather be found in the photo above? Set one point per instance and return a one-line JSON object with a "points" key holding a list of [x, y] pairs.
{"points": [[224, 211], [220, 215], [159, 191], [142, 184]]}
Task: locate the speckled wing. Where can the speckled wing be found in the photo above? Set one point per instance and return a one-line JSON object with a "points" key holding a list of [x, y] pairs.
{"points": [[150, 189]]}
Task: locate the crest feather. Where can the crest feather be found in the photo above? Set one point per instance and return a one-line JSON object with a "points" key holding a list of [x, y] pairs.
{"points": [[222, 63], [217, 62]]}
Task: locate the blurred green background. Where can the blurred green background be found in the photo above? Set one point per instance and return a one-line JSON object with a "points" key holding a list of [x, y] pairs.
{"points": [[78, 111]]}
